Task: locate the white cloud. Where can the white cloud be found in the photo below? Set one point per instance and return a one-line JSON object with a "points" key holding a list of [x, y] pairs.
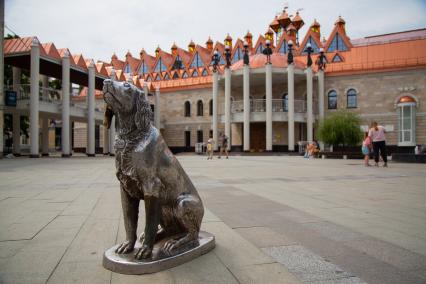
{"points": [[97, 28]]}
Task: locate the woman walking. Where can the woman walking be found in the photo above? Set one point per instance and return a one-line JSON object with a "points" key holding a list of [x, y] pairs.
{"points": [[366, 148], [377, 134]]}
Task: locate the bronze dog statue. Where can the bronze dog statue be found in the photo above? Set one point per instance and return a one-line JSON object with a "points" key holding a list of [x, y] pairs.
{"points": [[147, 170]]}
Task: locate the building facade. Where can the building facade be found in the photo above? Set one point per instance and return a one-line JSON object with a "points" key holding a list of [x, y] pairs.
{"points": [[275, 98]]}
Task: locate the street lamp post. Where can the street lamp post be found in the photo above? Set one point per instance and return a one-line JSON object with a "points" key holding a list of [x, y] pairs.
{"points": [[321, 62], [215, 59], [309, 51], [268, 51], [290, 52], [228, 56], [246, 54]]}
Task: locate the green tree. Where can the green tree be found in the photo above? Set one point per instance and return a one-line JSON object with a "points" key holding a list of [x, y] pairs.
{"points": [[340, 128]]}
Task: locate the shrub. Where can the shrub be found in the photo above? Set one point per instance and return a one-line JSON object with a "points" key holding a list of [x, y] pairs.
{"points": [[340, 128]]}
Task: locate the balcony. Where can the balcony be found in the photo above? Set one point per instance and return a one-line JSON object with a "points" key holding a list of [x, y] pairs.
{"points": [[51, 103], [278, 105], [258, 110]]}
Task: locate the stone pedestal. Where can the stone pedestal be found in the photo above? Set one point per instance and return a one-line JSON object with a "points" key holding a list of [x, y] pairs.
{"points": [[127, 264]]}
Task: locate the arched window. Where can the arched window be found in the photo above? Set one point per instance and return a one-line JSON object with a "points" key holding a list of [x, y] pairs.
{"points": [[205, 73], [195, 73], [185, 75], [259, 49], [332, 99], [187, 109], [176, 75], [351, 98], [157, 78], [284, 99], [200, 108], [406, 107], [166, 77], [211, 107], [148, 78]]}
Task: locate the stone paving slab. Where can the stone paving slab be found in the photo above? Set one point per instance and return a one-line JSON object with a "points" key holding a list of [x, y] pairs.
{"points": [[306, 265], [269, 214]]}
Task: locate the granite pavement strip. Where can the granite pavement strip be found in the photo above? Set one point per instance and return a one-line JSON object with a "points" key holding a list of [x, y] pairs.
{"points": [[276, 220]]}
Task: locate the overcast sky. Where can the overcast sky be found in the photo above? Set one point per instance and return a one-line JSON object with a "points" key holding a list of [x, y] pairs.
{"points": [[97, 28]]}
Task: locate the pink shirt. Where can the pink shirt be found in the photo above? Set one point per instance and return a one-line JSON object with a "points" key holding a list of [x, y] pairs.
{"points": [[377, 135], [366, 142]]}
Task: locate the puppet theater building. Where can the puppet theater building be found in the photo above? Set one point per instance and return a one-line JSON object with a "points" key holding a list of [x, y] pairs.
{"points": [[273, 101]]}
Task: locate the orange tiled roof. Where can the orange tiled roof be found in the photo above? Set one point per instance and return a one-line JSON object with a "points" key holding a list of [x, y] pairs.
{"points": [[100, 68], [62, 52], [18, 45], [83, 94], [80, 61], [184, 55], [379, 57], [148, 59], [259, 61], [50, 50], [133, 62], [396, 50]]}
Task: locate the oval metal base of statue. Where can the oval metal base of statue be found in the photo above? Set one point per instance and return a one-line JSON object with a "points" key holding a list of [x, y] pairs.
{"points": [[127, 264]]}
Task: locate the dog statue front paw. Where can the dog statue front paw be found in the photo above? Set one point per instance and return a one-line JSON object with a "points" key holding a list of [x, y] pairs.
{"points": [[145, 252], [125, 247]]}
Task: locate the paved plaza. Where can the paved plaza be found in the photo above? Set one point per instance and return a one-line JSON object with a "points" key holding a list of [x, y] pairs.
{"points": [[277, 219]]}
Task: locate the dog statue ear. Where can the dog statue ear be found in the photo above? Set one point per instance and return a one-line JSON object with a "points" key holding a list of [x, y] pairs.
{"points": [[108, 117]]}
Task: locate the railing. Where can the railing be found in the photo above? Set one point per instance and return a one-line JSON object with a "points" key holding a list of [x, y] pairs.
{"points": [[278, 105], [46, 94]]}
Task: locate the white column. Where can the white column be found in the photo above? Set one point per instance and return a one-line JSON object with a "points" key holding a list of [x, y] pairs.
{"points": [[45, 136], [290, 86], [16, 134], [65, 140], [90, 151], [1, 77], [228, 105], [112, 137], [106, 140], [214, 118], [268, 84], [34, 98], [321, 99], [16, 116], [145, 90], [246, 98], [309, 102], [157, 108]]}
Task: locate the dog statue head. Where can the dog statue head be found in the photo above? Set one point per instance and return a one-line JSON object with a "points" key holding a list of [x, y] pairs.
{"points": [[129, 104]]}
